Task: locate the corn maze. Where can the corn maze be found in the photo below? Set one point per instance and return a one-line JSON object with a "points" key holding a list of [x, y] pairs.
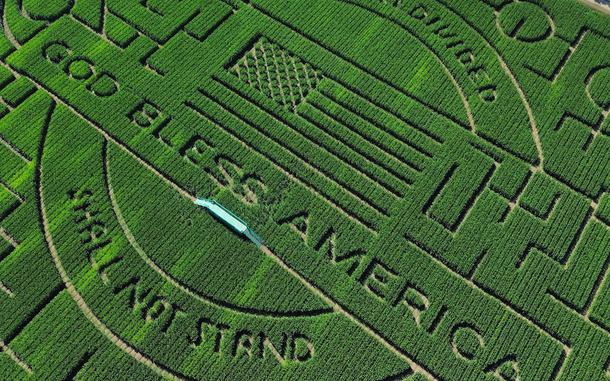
{"points": [[431, 180]]}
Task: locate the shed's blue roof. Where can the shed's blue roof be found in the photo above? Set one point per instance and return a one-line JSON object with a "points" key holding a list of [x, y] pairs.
{"points": [[229, 219]]}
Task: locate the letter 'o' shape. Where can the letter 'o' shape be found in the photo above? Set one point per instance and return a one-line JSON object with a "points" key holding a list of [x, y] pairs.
{"points": [[466, 341], [598, 87], [525, 22]]}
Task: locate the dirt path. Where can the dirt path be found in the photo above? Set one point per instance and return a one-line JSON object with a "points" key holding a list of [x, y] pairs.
{"points": [[8, 238], [597, 6], [82, 305], [7, 30], [6, 290], [126, 347], [13, 356], [168, 277], [339, 309]]}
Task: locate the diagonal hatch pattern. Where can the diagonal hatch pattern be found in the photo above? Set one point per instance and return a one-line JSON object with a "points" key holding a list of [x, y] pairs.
{"points": [[277, 73]]}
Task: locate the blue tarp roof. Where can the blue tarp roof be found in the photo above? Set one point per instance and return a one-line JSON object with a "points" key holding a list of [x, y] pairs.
{"points": [[230, 219]]}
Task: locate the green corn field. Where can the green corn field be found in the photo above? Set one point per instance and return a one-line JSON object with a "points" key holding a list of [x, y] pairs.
{"points": [[413, 190]]}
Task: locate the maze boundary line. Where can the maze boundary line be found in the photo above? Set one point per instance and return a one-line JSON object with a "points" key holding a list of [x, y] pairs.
{"points": [[167, 277], [12, 191], [109, 334], [357, 65], [126, 347], [74, 294], [4, 288], [4, 348]]}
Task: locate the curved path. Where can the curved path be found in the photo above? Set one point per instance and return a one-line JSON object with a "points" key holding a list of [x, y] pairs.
{"points": [[505, 67], [82, 305], [511, 75], [207, 299]]}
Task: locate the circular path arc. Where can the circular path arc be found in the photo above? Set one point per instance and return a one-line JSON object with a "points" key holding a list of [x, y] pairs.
{"points": [[204, 298], [507, 70]]}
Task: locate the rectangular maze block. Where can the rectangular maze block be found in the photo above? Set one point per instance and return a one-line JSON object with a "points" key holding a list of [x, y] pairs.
{"points": [[158, 20], [119, 32], [6, 248], [6, 77], [17, 91], [510, 178], [8, 202], [212, 15], [540, 197], [458, 190]]}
